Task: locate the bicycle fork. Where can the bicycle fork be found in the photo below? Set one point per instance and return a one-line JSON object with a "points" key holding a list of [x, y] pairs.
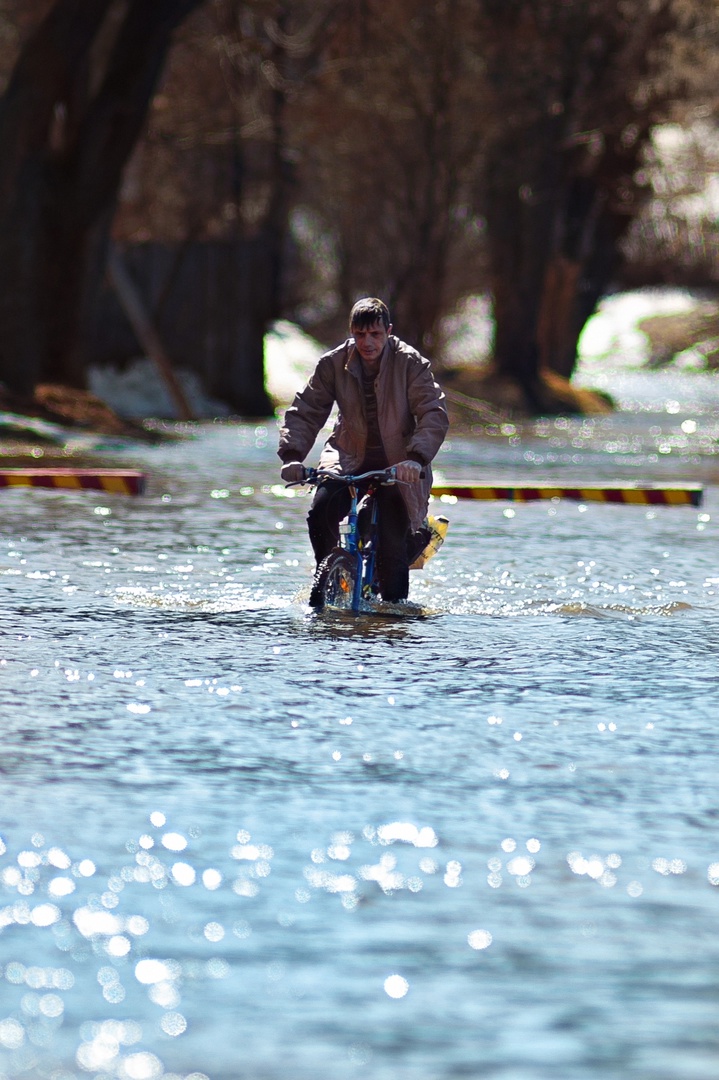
{"points": [[350, 542]]}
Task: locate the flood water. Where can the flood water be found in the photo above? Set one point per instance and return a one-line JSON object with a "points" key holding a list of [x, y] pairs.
{"points": [[244, 841]]}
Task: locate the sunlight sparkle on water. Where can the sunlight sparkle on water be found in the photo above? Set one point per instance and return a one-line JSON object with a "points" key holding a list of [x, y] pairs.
{"points": [[183, 873], [407, 832], [479, 939], [154, 971], [520, 866], [211, 879], [45, 914], [396, 986], [60, 887], [174, 841], [173, 1023]]}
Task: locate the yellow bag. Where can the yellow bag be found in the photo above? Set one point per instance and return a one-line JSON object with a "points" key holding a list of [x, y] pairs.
{"points": [[438, 527]]}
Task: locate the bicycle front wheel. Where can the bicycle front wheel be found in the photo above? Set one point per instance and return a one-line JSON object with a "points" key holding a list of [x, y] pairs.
{"points": [[335, 582]]}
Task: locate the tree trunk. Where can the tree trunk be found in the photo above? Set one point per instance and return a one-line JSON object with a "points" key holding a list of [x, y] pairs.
{"points": [[579, 270], [40, 83], [64, 152], [554, 252], [238, 283], [519, 218]]}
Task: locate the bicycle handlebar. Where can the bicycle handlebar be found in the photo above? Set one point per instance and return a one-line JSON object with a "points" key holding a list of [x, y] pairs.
{"points": [[385, 476]]}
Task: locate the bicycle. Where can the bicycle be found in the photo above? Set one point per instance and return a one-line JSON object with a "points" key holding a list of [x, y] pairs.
{"points": [[348, 575]]}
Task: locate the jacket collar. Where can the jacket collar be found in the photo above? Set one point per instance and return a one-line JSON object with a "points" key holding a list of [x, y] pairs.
{"points": [[353, 363]]}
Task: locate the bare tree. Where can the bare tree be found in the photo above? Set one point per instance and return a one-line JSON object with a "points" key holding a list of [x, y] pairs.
{"points": [[497, 145], [575, 91], [217, 167], [391, 148], [431, 150], [70, 115], [675, 239]]}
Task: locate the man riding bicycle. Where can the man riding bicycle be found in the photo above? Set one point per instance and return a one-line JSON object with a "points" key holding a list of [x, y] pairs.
{"points": [[391, 412]]}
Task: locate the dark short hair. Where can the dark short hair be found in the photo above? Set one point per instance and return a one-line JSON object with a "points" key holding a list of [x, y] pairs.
{"points": [[367, 312]]}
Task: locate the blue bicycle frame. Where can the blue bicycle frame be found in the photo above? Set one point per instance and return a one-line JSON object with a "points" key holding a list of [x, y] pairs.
{"points": [[362, 550]]}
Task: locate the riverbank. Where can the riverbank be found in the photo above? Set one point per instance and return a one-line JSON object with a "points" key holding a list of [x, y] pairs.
{"points": [[62, 426], [657, 332], [477, 395]]}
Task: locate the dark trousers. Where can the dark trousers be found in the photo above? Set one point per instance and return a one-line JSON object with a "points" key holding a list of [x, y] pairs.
{"points": [[332, 502]]}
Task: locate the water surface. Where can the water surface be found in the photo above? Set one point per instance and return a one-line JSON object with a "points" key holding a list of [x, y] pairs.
{"points": [[244, 841]]}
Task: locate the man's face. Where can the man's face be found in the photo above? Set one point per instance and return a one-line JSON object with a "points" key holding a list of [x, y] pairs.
{"points": [[371, 340]]}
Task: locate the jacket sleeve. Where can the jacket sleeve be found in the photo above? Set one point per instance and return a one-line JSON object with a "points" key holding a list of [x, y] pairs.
{"points": [[308, 413], [427, 403]]}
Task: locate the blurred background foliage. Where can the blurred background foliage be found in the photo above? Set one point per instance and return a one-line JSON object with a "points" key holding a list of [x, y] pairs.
{"points": [[276, 159]]}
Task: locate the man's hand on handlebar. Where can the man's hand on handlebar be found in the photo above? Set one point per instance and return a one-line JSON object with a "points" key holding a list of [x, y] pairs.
{"points": [[404, 472], [293, 472], [408, 472]]}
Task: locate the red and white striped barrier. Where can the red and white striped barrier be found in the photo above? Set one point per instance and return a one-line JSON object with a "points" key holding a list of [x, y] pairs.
{"points": [[633, 494], [112, 481]]}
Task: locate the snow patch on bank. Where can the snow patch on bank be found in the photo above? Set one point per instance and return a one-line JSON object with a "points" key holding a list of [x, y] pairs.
{"points": [[138, 391], [467, 334], [612, 340], [610, 346], [290, 358], [614, 354]]}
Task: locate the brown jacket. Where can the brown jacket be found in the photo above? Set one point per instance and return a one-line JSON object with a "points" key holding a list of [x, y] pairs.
{"points": [[412, 415]]}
